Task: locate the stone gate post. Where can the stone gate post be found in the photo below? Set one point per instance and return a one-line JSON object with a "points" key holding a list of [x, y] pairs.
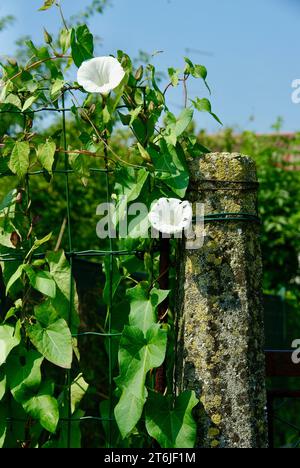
{"points": [[220, 314]]}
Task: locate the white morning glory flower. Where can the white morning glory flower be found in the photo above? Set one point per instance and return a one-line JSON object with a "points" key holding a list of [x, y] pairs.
{"points": [[170, 215], [100, 75]]}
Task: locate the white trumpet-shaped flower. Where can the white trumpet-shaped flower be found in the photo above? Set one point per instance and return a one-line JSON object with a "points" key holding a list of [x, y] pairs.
{"points": [[170, 215], [100, 75]]}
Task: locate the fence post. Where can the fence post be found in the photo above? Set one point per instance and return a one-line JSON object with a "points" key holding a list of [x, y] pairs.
{"points": [[220, 314]]}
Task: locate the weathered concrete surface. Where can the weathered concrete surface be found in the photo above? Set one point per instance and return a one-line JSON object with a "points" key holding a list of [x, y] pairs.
{"points": [[220, 315]]}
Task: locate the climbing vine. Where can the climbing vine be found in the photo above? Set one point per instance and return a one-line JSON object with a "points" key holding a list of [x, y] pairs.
{"points": [[42, 384]]}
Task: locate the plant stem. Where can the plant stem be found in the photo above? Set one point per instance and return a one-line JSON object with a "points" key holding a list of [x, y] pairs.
{"points": [[185, 91], [166, 88], [160, 377], [38, 63], [62, 15], [61, 235]]}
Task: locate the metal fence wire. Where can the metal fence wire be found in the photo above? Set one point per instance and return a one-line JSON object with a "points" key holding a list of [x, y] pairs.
{"points": [[72, 255]]}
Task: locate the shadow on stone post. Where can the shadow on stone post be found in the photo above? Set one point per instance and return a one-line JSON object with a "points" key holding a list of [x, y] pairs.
{"points": [[220, 313]]}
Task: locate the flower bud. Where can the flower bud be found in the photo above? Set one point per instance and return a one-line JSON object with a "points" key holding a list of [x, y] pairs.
{"points": [[47, 37], [92, 109], [139, 73], [151, 106], [12, 61], [84, 115], [19, 197], [15, 239]]}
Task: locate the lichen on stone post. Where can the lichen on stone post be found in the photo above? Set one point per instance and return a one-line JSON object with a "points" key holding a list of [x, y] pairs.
{"points": [[220, 313]]}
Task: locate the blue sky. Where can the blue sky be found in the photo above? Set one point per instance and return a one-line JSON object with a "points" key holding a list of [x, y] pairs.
{"points": [[253, 45]]}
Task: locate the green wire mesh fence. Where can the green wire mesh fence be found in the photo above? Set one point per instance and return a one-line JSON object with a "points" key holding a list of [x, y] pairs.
{"points": [[110, 253], [72, 255]]}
